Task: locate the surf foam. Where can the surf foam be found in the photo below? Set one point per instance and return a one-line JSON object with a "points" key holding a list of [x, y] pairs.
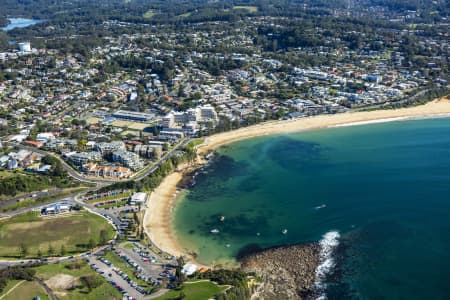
{"points": [[328, 244]]}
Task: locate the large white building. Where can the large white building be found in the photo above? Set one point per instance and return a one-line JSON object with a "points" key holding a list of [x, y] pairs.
{"points": [[25, 47], [105, 148], [208, 113], [134, 116], [190, 119], [168, 121], [128, 159], [138, 198]]}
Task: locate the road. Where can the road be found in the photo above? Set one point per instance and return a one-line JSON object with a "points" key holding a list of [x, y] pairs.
{"points": [[112, 218], [146, 172], [69, 199], [104, 182], [72, 173], [33, 195], [408, 100]]}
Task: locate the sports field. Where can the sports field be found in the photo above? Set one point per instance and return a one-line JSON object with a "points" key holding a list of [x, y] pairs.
{"points": [[74, 230]]}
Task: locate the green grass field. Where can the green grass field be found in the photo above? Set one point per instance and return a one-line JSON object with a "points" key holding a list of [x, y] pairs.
{"points": [[23, 290], [149, 14], [251, 9], [202, 290], [73, 230], [6, 174], [103, 292]]}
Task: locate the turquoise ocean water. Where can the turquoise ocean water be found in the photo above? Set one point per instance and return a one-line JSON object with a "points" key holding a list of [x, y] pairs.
{"points": [[380, 191]]}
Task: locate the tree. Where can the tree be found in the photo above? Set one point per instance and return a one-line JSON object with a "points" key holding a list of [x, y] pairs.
{"points": [[91, 281], [63, 250], [91, 244], [50, 250], [81, 144], [103, 237], [135, 218], [39, 253], [23, 250], [179, 276], [182, 296]]}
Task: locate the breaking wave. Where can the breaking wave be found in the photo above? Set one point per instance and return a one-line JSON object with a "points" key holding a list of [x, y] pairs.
{"points": [[328, 244]]}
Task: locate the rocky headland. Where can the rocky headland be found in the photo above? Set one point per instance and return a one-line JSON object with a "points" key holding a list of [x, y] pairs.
{"points": [[286, 272]]}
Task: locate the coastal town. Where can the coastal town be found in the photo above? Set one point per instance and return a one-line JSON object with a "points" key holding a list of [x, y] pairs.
{"points": [[101, 121]]}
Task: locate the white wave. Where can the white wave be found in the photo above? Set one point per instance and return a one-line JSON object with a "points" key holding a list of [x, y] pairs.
{"points": [[328, 244], [320, 206]]}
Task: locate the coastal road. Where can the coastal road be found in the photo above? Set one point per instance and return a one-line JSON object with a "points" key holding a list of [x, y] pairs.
{"points": [[163, 158]]}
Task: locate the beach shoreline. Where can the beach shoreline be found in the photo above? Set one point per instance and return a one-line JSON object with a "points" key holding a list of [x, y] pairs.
{"points": [[158, 214]]}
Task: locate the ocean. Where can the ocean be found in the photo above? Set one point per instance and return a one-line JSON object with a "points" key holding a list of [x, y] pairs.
{"points": [[376, 197]]}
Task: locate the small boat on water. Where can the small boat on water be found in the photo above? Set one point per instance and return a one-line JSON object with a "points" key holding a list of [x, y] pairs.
{"points": [[258, 234], [284, 231], [222, 218], [215, 231]]}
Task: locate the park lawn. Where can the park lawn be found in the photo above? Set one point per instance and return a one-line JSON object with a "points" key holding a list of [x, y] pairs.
{"points": [[25, 291], [5, 174], [128, 246], [92, 120], [104, 292], [196, 142], [185, 15], [130, 125], [47, 271], [9, 285], [149, 14], [201, 290], [73, 230], [251, 9]]}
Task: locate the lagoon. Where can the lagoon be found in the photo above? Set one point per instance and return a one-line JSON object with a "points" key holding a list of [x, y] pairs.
{"points": [[20, 23]]}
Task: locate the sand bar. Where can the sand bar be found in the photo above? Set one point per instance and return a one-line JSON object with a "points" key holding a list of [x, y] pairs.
{"points": [[158, 214]]}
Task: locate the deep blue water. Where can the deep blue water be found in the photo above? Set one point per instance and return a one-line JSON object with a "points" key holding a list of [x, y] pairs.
{"points": [[19, 23], [385, 188]]}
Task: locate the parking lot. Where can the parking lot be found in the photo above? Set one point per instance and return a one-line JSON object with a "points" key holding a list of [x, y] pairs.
{"points": [[109, 272], [149, 264]]}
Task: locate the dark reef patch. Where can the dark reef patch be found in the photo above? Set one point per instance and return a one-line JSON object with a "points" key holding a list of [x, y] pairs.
{"points": [[296, 154]]}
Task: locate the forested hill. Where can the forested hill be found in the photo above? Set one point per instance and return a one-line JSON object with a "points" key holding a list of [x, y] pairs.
{"points": [[168, 11]]}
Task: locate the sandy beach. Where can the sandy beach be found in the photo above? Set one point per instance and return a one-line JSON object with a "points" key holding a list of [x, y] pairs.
{"points": [[431, 109], [158, 213]]}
